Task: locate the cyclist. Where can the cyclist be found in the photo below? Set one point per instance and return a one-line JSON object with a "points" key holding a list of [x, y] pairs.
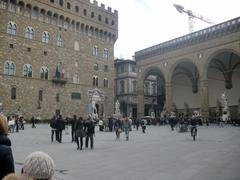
{"points": [[193, 123]]}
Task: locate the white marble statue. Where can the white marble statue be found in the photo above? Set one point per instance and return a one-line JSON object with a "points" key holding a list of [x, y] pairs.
{"points": [[117, 107]]}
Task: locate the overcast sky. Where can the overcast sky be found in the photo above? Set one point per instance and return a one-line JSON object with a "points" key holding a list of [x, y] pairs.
{"points": [[144, 23]]}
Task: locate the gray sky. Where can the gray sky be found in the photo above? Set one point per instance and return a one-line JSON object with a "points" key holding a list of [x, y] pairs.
{"points": [[144, 23]]}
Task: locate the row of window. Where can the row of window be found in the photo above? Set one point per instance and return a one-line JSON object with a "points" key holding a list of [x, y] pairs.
{"points": [[85, 13], [9, 69], [147, 89], [29, 33], [122, 68], [74, 96], [59, 20]]}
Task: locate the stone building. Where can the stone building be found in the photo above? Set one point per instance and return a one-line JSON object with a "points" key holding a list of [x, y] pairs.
{"points": [[126, 89], [195, 70], [57, 56]]}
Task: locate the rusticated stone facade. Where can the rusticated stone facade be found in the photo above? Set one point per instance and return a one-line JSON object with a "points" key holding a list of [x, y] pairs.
{"points": [[80, 35]]}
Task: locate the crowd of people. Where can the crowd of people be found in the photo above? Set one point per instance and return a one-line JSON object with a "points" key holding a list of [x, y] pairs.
{"points": [[82, 133]]}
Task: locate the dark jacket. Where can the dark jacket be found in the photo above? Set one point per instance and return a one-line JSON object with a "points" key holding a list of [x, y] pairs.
{"points": [[89, 127], [6, 157], [79, 127]]}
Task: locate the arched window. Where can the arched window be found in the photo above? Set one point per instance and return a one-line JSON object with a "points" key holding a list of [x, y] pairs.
{"points": [[76, 9], [11, 28], [122, 87], [105, 83], [29, 33], [95, 51], [95, 66], [27, 70], [84, 12], [44, 73], [61, 2], [45, 37], [95, 81], [68, 5], [9, 68], [59, 41]]}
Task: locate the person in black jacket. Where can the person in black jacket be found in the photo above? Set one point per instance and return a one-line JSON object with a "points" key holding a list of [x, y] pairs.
{"points": [[60, 125], [6, 156], [89, 128]]}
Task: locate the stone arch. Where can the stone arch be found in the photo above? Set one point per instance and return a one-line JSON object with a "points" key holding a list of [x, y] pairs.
{"points": [[204, 70], [185, 86], [223, 76], [173, 67], [72, 27], [152, 77]]}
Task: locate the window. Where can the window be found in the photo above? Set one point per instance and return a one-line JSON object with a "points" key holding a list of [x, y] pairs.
{"points": [[122, 87], [133, 68], [11, 46], [113, 23], [13, 93], [105, 83], [9, 68], [11, 28], [44, 73], [146, 88], [76, 9], [95, 51], [84, 12], [29, 49], [92, 14], [105, 68], [27, 70], [76, 96], [59, 41], [61, 2], [45, 37], [68, 5], [75, 78], [122, 68], [99, 17], [154, 89], [40, 95], [29, 33], [106, 20], [105, 54], [76, 45], [52, 1], [134, 86], [95, 81], [95, 66], [57, 97]]}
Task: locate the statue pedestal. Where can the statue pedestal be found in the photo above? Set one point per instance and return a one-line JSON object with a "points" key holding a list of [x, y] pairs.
{"points": [[117, 116]]}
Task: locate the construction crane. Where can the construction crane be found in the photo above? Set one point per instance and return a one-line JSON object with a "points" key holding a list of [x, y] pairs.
{"points": [[191, 16]]}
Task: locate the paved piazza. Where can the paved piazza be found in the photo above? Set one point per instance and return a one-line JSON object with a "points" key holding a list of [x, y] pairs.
{"points": [[157, 155]]}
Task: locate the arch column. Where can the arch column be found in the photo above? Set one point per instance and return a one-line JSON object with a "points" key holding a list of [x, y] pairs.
{"points": [[168, 92], [204, 98], [140, 102]]}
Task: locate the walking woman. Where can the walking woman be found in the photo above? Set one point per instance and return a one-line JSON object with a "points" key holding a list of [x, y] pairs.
{"points": [[6, 156], [80, 133]]}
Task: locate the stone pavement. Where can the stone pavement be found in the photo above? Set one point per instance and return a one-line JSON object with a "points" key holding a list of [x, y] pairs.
{"points": [[160, 154]]}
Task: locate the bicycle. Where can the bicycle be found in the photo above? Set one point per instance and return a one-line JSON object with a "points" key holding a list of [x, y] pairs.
{"points": [[194, 132]]}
